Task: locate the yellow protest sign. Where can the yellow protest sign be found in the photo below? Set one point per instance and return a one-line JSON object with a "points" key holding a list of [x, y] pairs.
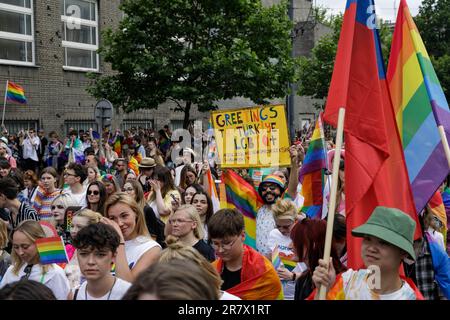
{"points": [[253, 137]]}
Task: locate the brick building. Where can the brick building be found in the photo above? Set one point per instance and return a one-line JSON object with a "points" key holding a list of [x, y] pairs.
{"points": [[48, 54]]}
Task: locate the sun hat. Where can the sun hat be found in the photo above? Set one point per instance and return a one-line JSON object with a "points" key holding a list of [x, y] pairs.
{"points": [[391, 225], [147, 163]]}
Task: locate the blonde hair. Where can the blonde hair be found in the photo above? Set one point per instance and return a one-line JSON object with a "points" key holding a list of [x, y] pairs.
{"points": [[284, 209], [176, 250], [66, 199], [92, 216], [123, 198], [33, 231], [192, 213], [3, 234]]}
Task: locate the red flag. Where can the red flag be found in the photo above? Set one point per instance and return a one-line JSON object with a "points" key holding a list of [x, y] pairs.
{"points": [[375, 171]]}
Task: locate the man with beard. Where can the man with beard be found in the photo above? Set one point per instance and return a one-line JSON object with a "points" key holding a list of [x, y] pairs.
{"points": [[270, 189]]}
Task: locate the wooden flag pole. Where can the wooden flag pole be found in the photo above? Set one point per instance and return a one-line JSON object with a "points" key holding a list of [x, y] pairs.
{"points": [[445, 143], [332, 207], [4, 103]]}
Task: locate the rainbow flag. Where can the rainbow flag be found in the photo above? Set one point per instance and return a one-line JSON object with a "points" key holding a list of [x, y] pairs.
{"points": [[312, 173], [276, 261], [212, 191], [118, 146], [51, 250], [288, 264], [420, 107], [15, 93], [242, 196], [133, 164]]}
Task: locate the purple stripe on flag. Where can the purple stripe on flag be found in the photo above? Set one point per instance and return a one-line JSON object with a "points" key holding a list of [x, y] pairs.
{"points": [[430, 177], [311, 167], [442, 116]]}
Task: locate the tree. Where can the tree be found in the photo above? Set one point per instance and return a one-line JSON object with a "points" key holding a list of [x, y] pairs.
{"points": [[195, 52], [316, 71], [433, 22]]}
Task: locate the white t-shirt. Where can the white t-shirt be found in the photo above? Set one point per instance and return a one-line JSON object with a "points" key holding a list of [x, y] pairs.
{"points": [[118, 290], [55, 279], [286, 253], [135, 249], [356, 287], [30, 151], [79, 198]]}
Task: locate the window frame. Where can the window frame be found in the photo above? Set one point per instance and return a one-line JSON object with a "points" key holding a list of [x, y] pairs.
{"points": [[79, 45], [20, 37]]}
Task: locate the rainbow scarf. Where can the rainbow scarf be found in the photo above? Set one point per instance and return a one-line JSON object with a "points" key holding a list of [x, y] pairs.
{"points": [[15, 93], [242, 196], [420, 107], [259, 280], [311, 175], [51, 250]]}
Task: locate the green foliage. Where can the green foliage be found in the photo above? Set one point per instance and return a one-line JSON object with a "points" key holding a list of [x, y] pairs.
{"points": [[196, 52], [433, 23]]}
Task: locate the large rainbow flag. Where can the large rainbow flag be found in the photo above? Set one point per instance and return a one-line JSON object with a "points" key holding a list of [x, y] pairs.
{"points": [[242, 196], [420, 106], [312, 173], [51, 250], [15, 93]]}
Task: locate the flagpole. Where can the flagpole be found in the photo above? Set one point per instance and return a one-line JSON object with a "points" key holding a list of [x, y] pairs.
{"points": [[4, 103], [445, 143], [332, 207]]}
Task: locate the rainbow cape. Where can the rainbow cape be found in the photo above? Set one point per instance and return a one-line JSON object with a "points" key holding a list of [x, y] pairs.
{"points": [[420, 107], [15, 93], [242, 196], [51, 250], [259, 280], [312, 173]]}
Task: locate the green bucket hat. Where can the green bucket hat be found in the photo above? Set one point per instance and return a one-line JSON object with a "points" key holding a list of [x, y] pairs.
{"points": [[391, 225]]}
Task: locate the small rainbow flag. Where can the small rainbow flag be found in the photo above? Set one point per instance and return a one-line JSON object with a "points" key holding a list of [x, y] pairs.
{"points": [[242, 196], [118, 146], [15, 93], [276, 261], [311, 175], [288, 264], [211, 188], [51, 250]]}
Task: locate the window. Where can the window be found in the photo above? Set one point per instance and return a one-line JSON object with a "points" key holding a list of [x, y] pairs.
{"points": [[128, 124], [176, 124], [79, 125], [14, 126], [79, 19], [16, 32]]}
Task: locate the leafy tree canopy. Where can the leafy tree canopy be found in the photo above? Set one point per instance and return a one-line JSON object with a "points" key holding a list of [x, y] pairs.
{"points": [[196, 52]]}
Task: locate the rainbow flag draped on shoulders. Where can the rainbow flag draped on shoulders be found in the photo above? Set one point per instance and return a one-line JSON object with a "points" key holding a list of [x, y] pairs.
{"points": [[312, 172], [420, 107], [242, 196], [15, 93]]}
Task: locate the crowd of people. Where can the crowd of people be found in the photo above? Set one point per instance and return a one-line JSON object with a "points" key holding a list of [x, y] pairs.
{"points": [[142, 225]]}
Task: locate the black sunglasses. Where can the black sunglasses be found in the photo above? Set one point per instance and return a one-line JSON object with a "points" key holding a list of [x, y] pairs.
{"points": [[94, 192]]}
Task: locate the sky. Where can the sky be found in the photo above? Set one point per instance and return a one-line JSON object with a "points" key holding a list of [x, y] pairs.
{"points": [[385, 8]]}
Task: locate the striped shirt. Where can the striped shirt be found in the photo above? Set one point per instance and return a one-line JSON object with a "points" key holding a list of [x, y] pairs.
{"points": [[25, 212], [42, 201]]}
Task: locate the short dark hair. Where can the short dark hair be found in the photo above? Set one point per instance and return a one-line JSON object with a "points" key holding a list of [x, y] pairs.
{"points": [[26, 290], [80, 171], [225, 223], [97, 236], [9, 188], [4, 164], [73, 133]]}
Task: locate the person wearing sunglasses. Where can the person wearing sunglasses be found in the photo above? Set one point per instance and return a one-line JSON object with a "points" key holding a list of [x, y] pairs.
{"points": [[245, 272], [285, 216], [26, 261], [96, 197]]}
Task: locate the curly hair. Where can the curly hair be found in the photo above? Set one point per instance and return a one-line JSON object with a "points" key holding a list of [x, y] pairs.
{"points": [[97, 236]]}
